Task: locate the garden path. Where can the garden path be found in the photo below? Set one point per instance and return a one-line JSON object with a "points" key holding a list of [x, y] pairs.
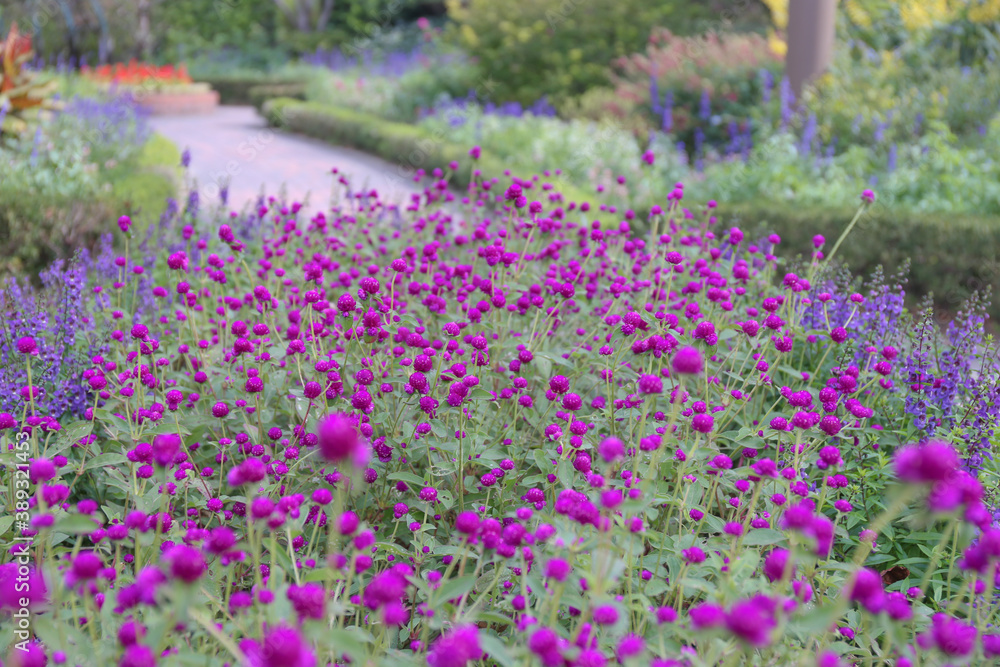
{"points": [[235, 145]]}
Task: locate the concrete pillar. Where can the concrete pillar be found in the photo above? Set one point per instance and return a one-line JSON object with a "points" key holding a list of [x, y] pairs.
{"points": [[811, 29]]}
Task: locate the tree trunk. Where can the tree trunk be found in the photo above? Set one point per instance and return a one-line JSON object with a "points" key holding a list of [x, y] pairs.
{"points": [[303, 18], [811, 31], [324, 15], [143, 36]]}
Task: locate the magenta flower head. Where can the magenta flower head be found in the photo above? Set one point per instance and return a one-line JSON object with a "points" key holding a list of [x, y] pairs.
{"points": [[688, 361], [750, 621], [707, 615], [693, 555], [456, 648], [338, 439], [165, 449], [186, 563], [952, 636], [866, 588], [27, 345], [611, 449], [650, 384], [15, 586], [178, 261], [85, 567], [282, 647], [775, 564], [557, 569], [868, 196], [475, 152], [124, 223], [926, 463], [41, 470]]}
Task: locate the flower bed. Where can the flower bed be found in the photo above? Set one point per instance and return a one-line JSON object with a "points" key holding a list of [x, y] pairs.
{"points": [[948, 264], [162, 90], [494, 431], [188, 101]]}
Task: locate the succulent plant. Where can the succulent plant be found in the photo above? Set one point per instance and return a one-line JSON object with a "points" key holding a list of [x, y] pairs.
{"points": [[21, 90]]}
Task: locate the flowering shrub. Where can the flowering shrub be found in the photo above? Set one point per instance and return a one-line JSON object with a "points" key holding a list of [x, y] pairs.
{"points": [[138, 74], [700, 89], [500, 431], [63, 182], [22, 92]]}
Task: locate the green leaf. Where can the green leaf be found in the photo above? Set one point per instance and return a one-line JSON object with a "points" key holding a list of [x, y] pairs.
{"points": [[71, 435], [105, 460], [353, 641], [408, 477], [455, 588], [76, 525], [655, 587], [496, 649], [763, 536], [816, 621]]}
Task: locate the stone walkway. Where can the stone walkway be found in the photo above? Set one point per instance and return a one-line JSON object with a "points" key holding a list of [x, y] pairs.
{"points": [[234, 145]]}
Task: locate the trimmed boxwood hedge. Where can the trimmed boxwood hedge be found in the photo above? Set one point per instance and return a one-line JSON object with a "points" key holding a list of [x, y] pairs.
{"points": [[950, 255], [236, 89], [260, 94], [409, 146]]}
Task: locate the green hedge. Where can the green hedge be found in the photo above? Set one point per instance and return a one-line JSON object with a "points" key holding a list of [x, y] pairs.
{"points": [[409, 146], [33, 233], [235, 89], [260, 94], [951, 255]]}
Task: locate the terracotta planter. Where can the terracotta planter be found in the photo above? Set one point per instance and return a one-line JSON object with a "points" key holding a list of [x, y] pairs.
{"points": [[167, 104]]}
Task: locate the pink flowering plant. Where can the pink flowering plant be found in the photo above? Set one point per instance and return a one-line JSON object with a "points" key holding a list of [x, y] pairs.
{"points": [[492, 428]]}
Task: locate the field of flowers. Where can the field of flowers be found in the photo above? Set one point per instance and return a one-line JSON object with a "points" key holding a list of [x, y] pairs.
{"points": [[489, 428]]}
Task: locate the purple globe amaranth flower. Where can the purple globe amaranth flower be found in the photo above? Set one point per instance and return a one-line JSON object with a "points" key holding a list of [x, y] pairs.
{"points": [[166, 446], [688, 361], [752, 621], [15, 586], [186, 563], [456, 648], [693, 555], [282, 647], [865, 587], [29, 654], [338, 439], [650, 384], [557, 569], [991, 645], [467, 523], [308, 601], [611, 449], [605, 615], [138, 655], [926, 463], [27, 345], [706, 615], [775, 565], [702, 423], [952, 636]]}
